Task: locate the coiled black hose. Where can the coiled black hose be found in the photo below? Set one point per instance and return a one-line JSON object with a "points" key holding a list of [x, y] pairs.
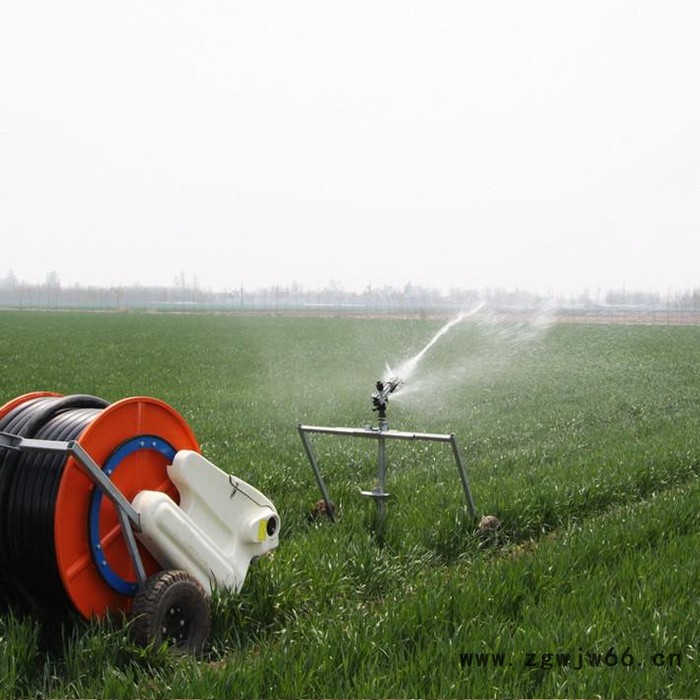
{"points": [[29, 482]]}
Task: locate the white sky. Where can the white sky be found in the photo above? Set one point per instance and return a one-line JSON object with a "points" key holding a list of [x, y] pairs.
{"points": [[547, 144]]}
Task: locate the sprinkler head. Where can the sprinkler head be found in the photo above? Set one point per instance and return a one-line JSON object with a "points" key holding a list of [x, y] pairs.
{"points": [[380, 398]]}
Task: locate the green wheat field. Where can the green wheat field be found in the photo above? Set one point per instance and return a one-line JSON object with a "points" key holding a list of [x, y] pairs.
{"points": [[582, 439]]}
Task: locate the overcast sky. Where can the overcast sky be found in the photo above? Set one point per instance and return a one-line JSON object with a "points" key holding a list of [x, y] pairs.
{"points": [[545, 144]]}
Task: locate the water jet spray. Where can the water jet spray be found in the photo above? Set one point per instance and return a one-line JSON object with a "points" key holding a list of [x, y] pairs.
{"points": [[384, 388]]}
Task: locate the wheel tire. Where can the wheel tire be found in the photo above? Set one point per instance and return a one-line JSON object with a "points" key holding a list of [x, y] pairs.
{"points": [[171, 608]]}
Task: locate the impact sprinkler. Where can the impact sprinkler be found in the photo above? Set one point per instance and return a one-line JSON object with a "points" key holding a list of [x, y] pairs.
{"points": [[380, 398]]}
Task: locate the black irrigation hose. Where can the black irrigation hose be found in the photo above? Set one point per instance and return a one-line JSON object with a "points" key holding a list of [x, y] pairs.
{"points": [[29, 484]]}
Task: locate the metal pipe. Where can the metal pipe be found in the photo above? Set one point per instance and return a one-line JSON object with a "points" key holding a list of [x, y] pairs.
{"points": [[375, 434], [381, 483], [74, 449], [130, 540], [104, 482], [382, 436], [463, 476], [317, 474], [128, 517]]}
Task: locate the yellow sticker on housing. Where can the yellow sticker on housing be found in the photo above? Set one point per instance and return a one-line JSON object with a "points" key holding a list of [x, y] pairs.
{"points": [[262, 530]]}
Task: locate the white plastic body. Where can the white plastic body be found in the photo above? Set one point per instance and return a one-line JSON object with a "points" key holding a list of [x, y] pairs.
{"points": [[220, 526]]}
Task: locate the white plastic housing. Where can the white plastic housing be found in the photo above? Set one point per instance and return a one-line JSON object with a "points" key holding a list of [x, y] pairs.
{"points": [[220, 526]]}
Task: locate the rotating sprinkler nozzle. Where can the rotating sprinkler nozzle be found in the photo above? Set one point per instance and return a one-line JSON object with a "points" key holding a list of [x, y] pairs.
{"points": [[380, 398]]}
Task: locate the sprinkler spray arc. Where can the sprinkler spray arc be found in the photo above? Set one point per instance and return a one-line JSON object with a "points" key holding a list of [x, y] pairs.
{"points": [[384, 388]]}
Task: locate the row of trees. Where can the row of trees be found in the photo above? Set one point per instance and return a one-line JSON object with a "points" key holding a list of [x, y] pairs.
{"points": [[186, 294]]}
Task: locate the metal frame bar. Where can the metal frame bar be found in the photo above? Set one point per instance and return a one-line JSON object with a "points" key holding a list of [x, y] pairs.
{"points": [[317, 473], [128, 517], [381, 436]]}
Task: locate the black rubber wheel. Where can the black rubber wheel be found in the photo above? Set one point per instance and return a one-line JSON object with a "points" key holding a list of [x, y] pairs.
{"points": [[171, 608]]}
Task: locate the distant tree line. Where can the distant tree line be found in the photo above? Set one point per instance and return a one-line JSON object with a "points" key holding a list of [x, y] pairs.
{"points": [[188, 295]]}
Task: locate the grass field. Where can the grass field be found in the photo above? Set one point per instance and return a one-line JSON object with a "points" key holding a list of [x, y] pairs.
{"points": [[582, 439]]}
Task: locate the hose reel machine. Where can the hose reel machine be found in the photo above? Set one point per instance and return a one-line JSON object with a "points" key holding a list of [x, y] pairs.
{"points": [[112, 508]]}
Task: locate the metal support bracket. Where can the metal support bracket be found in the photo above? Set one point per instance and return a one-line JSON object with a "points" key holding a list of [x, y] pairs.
{"points": [[128, 516], [381, 435]]}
